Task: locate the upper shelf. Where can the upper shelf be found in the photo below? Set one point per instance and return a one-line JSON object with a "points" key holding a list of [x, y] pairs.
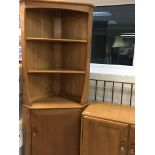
{"points": [[56, 40], [55, 71]]}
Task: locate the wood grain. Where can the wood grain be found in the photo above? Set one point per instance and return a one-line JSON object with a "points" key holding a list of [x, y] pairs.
{"points": [[56, 40], [84, 98], [26, 130], [54, 102], [54, 46], [55, 71], [56, 131], [108, 129], [63, 2], [103, 137], [114, 112], [131, 148]]}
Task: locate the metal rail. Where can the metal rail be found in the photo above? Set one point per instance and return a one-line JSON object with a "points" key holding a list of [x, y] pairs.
{"points": [[113, 86]]}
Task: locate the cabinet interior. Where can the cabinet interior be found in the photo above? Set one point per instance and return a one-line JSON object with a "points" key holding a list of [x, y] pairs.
{"points": [[56, 53], [56, 23], [43, 86]]}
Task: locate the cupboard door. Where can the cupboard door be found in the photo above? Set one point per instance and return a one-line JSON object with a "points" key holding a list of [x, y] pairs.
{"points": [[102, 137], [56, 131], [131, 150]]}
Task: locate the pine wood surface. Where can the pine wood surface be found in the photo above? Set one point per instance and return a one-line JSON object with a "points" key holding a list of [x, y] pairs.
{"points": [[63, 2], [114, 112], [131, 149], [56, 132], [103, 137], [55, 40], [52, 131], [61, 71], [26, 130], [55, 102], [108, 129]]}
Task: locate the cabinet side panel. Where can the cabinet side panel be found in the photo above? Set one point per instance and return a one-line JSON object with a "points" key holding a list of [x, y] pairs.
{"points": [[26, 130], [131, 149], [88, 55], [56, 132], [103, 137], [26, 97]]}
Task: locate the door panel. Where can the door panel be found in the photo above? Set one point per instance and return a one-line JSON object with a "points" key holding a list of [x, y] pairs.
{"points": [[102, 137], [131, 150], [56, 132]]}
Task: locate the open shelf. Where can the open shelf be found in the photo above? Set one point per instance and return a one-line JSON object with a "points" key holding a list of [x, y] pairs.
{"points": [[44, 55], [55, 102], [56, 55], [55, 71], [57, 24], [56, 40], [41, 86]]}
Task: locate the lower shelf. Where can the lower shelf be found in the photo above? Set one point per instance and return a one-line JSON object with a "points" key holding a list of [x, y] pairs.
{"points": [[55, 102]]}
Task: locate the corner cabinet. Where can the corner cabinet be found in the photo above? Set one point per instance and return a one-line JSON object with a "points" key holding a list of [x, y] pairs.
{"points": [[108, 129], [56, 48]]}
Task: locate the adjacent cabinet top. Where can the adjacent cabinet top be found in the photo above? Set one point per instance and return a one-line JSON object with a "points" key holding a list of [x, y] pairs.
{"points": [[114, 112]]}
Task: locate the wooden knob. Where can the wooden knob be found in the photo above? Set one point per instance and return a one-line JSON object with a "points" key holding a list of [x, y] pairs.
{"points": [[34, 132], [122, 146]]}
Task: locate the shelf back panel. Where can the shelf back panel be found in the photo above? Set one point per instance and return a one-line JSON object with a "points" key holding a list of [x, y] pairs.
{"points": [[40, 23], [72, 86], [45, 55], [74, 25], [56, 23], [74, 56], [45, 85]]}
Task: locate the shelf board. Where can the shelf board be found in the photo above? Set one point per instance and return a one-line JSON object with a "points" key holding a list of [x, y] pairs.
{"points": [[56, 40], [55, 102], [56, 71]]}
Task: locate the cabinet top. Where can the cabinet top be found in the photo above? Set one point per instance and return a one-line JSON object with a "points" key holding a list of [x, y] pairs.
{"points": [[61, 1], [113, 112]]}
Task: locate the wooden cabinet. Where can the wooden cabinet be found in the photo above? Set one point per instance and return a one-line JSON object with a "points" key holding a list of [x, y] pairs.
{"points": [[108, 130], [56, 47], [52, 131]]}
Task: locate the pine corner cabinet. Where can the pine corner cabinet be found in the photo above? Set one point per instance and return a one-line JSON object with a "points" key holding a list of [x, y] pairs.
{"points": [[56, 47], [108, 129]]}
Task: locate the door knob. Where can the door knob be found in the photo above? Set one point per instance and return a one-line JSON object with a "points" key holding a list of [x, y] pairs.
{"points": [[122, 146], [34, 132]]}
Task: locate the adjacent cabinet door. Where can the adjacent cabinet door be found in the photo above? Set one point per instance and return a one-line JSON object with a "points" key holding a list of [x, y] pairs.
{"points": [[101, 137], [55, 132]]}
